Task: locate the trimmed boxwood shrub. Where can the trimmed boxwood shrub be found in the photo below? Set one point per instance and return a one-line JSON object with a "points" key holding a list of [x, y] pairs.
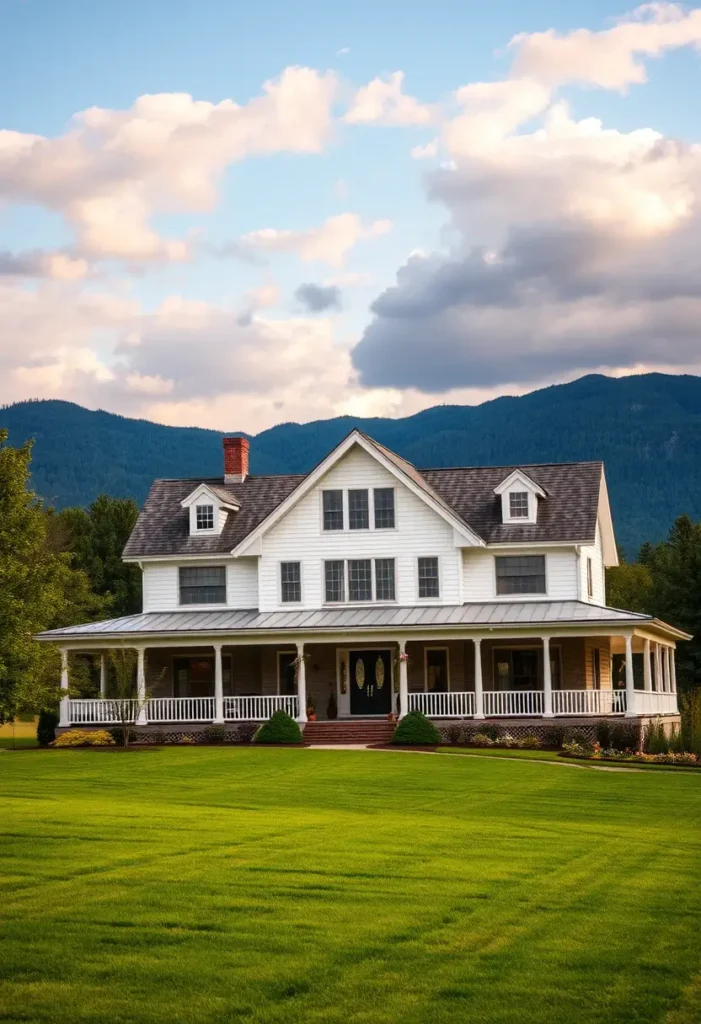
{"points": [[416, 730], [46, 728], [280, 728]]}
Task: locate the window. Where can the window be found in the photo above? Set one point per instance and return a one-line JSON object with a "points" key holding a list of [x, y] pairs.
{"points": [[384, 508], [204, 515], [334, 573], [590, 577], [290, 582], [521, 574], [428, 577], [596, 667], [194, 677], [333, 510], [287, 673], [384, 579], [358, 511], [203, 585], [360, 579], [521, 668], [436, 669], [518, 505]]}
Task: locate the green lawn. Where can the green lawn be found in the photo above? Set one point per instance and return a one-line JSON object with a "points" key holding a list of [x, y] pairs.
{"points": [[220, 885]]}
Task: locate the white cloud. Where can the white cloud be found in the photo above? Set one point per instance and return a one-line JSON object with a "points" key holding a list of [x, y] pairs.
{"points": [[610, 58], [383, 102], [328, 243], [425, 152], [113, 169]]}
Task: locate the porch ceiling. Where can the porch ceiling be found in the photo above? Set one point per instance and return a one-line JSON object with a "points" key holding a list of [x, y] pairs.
{"points": [[489, 615]]}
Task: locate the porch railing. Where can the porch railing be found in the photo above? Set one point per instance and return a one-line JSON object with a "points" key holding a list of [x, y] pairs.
{"points": [[258, 709], [513, 702], [96, 711], [180, 709], [589, 702], [459, 704], [649, 702]]}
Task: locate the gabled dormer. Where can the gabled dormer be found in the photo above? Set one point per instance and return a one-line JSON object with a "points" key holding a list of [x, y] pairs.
{"points": [[209, 506], [519, 499]]}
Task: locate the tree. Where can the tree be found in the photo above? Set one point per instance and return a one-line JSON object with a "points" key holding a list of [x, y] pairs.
{"points": [[95, 537], [629, 586], [38, 590], [125, 702]]}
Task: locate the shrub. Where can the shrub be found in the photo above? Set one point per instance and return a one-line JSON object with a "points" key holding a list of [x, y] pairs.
{"points": [[186, 740], [552, 735], [453, 735], [603, 734], [625, 736], [493, 731], [214, 733], [575, 749], [576, 736], [84, 738], [655, 739], [245, 732], [46, 728], [480, 739], [416, 730], [529, 742], [280, 728]]}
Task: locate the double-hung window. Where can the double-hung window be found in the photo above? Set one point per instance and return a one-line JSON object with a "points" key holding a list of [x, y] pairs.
{"points": [[335, 580], [428, 578], [358, 510], [204, 517], [520, 574], [384, 579], [290, 582], [518, 505], [333, 510], [359, 580], [203, 585], [383, 500]]}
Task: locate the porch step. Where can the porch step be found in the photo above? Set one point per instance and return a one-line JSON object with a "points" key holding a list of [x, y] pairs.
{"points": [[348, 732]]}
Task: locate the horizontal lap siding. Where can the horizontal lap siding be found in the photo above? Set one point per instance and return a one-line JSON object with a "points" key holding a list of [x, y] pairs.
{"points": [[479, 574], [594, 552], [299, 537], [161, 584]]}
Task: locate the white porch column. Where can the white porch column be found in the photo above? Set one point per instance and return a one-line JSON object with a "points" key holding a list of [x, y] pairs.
{"points": [[103, 674], [666, 668], [479, 691], [658, 668], [673, 664], [64, 719], [403, 681], [647, 668], [301, 685], [218, 686], [141, 718], [547, 680], [630, 679]]}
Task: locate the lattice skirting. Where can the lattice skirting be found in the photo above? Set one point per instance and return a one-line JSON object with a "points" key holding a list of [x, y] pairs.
{"points": [[549, 733]]}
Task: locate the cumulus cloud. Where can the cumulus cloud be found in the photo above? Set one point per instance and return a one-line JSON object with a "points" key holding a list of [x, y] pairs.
{"points": [[576, 246], [384, 102], [317, 298], [113, 169], [329, 243], [37, 264]]}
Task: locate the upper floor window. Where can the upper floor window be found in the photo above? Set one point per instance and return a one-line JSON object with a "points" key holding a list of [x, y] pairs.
{"points": [[358, 510], [428, 577], [520, 574], [360, 579], [518, 505], [590, 578], [384, 579], [383, 499], [290, 582], [333, 510], [203, 585], [356, 579], [335, 580], [204, 517]]}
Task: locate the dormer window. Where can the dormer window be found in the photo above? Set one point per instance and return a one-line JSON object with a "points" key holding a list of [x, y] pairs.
{"points": [[518, 505], [205, 517]]}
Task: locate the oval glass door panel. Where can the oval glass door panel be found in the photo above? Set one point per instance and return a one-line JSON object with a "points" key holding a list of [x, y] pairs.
{"points": [[380, 673], [360, 673]]}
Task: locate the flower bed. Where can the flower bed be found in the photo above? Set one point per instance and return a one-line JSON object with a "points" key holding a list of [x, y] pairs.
{"points": [[680, 758]]}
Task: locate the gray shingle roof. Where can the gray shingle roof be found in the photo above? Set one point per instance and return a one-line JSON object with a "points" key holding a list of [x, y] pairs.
{"points": [[490, 614], [568, 513]]}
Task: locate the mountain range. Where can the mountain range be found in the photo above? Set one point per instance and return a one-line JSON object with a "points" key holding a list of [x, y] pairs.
{"points": [[646, 428]]}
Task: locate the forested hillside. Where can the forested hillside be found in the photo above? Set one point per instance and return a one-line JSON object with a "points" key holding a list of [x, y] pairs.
{"points": [[647, 429]]}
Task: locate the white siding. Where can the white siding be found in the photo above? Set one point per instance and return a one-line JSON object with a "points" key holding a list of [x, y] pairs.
{"points": [[594, 552], [299, 537], [161, 584], [479, 575]]}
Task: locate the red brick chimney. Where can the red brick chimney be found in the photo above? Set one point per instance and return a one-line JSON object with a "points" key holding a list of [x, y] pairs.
{"points": [[235, 459]]}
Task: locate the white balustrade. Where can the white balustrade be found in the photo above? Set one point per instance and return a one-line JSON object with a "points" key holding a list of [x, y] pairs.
{"points": [[459, 704], [589, 702], [180, 709], [258, 709], [646, 702], [100, 712], [513, 702]]}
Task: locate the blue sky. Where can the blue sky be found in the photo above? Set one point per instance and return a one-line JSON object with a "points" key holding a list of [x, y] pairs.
{"points": [[134, 275]]}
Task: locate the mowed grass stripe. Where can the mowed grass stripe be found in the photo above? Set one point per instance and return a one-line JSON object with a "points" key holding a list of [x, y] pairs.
{"points": [[288, 885]]}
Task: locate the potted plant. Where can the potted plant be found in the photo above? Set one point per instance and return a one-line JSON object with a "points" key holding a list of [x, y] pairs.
{"points": [[311, 710], [332, 706]]}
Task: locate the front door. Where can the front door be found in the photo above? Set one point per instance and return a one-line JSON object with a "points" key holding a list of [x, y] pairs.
{"points": [[370, 682]]}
